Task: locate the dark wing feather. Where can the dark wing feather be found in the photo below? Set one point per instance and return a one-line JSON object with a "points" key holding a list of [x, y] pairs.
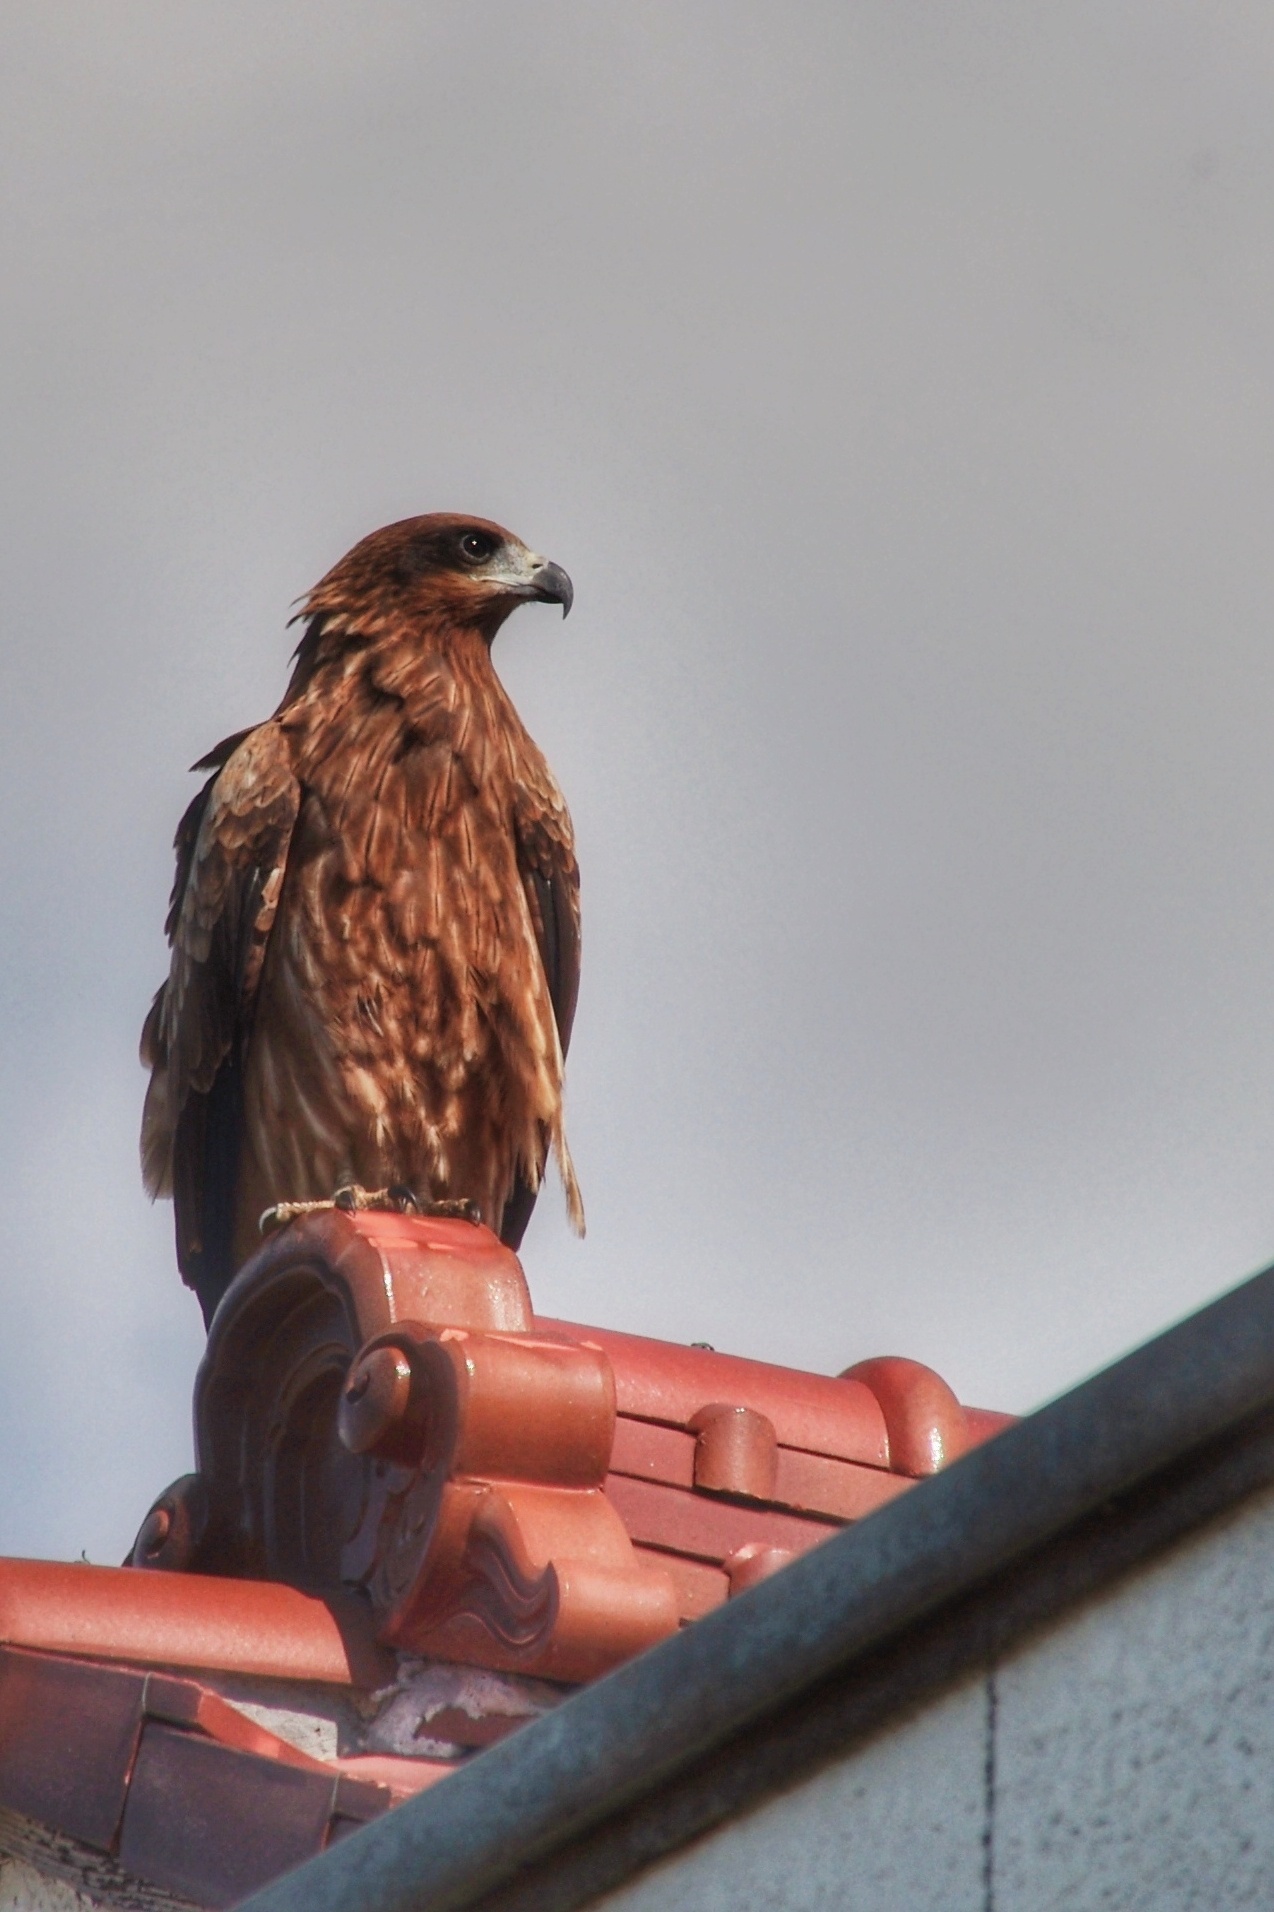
{"points": [[221, 753], [557, 931], [550, 876], [232, 847]]}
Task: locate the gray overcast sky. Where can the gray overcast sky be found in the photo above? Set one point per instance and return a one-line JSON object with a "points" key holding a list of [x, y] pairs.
{"points": [[897, 383]]}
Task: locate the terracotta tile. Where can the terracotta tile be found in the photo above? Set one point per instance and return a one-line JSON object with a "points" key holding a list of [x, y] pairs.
{"points": [[984, 1423], [214, 1823], [459, 1728], [662, 1381], [402, 1776], [185, 1703], [705, 1528], [736, 1451], [194, 1620], [841, 1490], [649, 1451], [68, 1732], [817, 1484], [358, 1797], [925, 1423], [699, 1586], [357, 1800]]}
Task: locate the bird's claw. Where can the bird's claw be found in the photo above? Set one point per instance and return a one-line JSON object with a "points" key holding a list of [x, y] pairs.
{"points": [[352, 1199], [460, 1211]]}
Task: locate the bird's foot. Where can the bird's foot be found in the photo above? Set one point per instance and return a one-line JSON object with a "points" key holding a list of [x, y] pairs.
{"points": [[398, 1199]]}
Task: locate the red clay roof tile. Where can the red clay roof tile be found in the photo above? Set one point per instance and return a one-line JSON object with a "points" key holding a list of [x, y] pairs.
{"points": [[662, 1381], [512, 1493], [194, 1620]]}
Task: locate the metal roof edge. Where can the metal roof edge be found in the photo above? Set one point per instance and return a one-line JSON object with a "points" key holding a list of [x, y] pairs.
{"points": [[630, 1733]]}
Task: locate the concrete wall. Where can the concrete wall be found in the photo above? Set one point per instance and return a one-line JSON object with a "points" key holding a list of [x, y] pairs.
{"points": [[1123, 1758]]}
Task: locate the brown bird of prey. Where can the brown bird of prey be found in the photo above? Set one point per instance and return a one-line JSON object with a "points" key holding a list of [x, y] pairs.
{"points": [[375, 920]]}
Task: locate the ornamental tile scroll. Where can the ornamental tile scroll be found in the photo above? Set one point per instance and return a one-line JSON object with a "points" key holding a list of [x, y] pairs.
{"points": [[376, 1411]]}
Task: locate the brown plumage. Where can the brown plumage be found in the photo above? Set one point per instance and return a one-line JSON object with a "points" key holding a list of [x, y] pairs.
{"points": [[375, 919]]}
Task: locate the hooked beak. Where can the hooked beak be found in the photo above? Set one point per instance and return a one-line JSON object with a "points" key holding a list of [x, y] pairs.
{"points": [[550, 584]]}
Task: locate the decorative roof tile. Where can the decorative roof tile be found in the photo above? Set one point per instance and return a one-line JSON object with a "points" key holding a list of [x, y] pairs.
{"points": [[419, 1516]]}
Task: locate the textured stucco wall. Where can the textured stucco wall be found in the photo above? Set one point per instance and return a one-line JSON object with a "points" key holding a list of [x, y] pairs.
{"points": [[23, 1889], [45, 1871], [1123, 1758]]}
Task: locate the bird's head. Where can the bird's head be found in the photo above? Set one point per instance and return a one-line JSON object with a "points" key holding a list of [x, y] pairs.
{"points": [[444, 568]]}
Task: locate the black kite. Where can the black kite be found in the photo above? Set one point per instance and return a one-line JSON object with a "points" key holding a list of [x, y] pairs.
{"points": [[375, 919]]}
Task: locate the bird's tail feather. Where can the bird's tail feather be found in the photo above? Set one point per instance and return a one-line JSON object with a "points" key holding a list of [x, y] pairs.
{"points": [[570, 1186]]}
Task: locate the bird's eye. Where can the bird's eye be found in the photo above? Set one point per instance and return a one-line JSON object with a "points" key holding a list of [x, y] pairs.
{"points": [[476, 547]]}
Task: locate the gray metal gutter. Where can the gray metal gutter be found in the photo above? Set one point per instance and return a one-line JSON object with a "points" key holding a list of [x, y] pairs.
{"points": [[836, 1609]]}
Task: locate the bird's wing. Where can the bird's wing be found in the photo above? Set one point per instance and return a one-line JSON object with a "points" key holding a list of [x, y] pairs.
{"points": [[232, 848], [550, 877]]}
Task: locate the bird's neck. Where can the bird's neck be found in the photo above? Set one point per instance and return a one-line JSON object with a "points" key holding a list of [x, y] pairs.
{"points": [[417, 667]]}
